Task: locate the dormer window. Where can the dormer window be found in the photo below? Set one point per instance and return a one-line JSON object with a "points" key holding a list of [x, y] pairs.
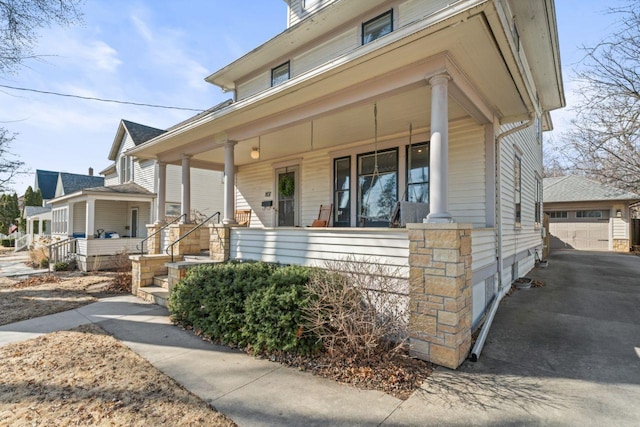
{"points": [[377, 27], [280, 74], [126, 169]]}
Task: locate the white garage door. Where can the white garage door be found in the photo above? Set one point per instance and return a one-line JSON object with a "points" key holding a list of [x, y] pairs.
{"points": [[591, 236]]}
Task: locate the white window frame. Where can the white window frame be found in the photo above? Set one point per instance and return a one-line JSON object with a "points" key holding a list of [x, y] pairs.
{"points": [[274, 70]]}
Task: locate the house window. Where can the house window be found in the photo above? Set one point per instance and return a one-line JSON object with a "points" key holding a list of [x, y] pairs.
{"points": [[307, 4], [589, 214], [538, 203], [418, 173], [377, 27], [126, 169], [342, 192], [280, 74], [377, 187], [558, 215], [172, 210], [517, 188], [59, 221]]}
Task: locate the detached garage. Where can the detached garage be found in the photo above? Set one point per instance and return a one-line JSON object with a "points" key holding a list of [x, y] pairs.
{"points": [[587, 215]]}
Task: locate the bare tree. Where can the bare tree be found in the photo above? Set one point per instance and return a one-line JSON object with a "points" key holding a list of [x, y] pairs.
{"points": [[604, 139], [20, 21], [10, 166]]}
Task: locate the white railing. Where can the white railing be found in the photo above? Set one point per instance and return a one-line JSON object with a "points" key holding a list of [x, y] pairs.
{"points": [[22, 242], [93, 247]]}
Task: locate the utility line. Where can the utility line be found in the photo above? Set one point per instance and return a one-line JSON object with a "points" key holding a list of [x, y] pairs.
{"points": [[89, 98]]}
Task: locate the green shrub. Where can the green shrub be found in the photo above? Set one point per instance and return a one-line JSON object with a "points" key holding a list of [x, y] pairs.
{"points": [[8, 243], [44, 263], [273, 315], [245, 304], [60, 266]]}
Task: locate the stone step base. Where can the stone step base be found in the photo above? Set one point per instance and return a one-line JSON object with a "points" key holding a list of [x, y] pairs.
{"points": [[154, 294], [161, 281]]}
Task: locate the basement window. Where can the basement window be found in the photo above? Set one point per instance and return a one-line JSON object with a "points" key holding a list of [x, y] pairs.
{"points": [[377, 27]]}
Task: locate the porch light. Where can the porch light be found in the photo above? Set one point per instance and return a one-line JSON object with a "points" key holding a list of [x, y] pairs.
{"points": [[255, 153], [619, 213]]}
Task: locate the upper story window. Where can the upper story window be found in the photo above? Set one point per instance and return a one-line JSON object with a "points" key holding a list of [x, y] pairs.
{"points": [[280, 74], [126, 169], [377, 27]]}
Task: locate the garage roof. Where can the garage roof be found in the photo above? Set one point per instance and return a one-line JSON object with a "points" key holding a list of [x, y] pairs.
{"points": [[573, 188]]}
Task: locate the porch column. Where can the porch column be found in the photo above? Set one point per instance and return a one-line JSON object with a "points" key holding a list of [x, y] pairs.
{"points": [[89, 218], [186, 188], [69, 219], [229, 183], [439, 151], [162, 192]]}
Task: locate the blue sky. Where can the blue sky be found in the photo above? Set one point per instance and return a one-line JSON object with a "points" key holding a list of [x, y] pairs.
{"points": [[159, 52]]}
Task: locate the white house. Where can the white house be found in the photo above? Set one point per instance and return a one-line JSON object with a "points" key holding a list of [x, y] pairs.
{"points": [[392, 112], [110, 218]]}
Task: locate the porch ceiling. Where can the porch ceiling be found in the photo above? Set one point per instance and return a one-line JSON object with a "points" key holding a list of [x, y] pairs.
{"points": [[338, 97]]}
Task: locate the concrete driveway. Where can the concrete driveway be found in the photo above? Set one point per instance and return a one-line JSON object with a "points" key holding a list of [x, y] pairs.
{"points": [[564, 354]]}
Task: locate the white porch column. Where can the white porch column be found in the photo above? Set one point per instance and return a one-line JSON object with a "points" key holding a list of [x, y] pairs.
{"points": [[229, 183], [90, 218], [69, 220], [162, 192], [186, 188], [439, 151]]}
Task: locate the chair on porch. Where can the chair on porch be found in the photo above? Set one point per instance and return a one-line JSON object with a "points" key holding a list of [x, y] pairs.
{"points": [[324, 216], [243, 217]]}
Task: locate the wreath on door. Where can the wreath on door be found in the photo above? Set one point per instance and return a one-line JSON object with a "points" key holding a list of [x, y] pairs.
{"points": [[286, 186]]}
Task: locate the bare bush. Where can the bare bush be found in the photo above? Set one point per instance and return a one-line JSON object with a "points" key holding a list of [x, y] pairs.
{"points": [[359, 307], [122, 267], [39, 252]]}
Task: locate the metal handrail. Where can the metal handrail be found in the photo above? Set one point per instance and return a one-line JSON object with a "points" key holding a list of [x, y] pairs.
{"points": [[140, 246], [189, 232]]}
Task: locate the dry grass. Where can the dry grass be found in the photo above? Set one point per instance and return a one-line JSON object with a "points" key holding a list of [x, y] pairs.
{"points": [[47, 294], [86, 377]]}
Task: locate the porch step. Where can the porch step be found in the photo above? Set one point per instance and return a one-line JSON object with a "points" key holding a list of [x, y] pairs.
{"points": [[199, 257], [161, 281], [154, 294]]}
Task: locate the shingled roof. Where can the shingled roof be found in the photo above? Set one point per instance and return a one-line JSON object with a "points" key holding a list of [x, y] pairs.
{"points": [[46, 181], [141, 133], [72, 182], [573, 188]]}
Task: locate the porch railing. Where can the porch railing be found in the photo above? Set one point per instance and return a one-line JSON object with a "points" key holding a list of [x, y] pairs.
{"points": [[169, 250], [140, 247], [63, 250], [22, 242]]}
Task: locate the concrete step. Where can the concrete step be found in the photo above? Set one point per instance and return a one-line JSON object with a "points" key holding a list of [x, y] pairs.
{"points": [[200, 257], [154, 294], [161, 281]]}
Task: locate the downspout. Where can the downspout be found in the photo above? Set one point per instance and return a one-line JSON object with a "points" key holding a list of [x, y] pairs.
{"points": [[477, 348]]}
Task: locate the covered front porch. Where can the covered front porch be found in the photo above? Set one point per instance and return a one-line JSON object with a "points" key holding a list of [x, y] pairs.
{"points": [[104, 221]]}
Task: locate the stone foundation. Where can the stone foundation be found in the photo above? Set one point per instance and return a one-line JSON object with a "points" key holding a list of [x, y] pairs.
{"points": [[189, 244], [154, 244], [219, 242], [144, 268], [621, 245], [440, 292]]}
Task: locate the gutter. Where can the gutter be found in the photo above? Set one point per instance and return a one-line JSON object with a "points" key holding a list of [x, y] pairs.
{"points": [[502, 290]]}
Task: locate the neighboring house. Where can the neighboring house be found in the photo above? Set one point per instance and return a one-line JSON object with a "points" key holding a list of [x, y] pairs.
{"points": [[587, 215], [51, 185], [392, 112], [112, 216]]}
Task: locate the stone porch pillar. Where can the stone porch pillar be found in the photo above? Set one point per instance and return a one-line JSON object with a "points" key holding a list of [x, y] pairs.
{"points": [[440, 292], [154, 243], [186, 188], [219, 242], [439, 151], [161, 199], [229, 216]]}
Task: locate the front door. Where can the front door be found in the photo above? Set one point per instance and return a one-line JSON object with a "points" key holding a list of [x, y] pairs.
{"points": [[134, 222], [287, 191]]}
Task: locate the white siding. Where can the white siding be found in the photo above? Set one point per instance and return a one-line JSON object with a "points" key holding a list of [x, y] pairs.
{"points": [[79, 218], [413, 10], [252, 182], [111, 216], [144, 174], [620, 226], [298, 11], [312, 246], [313, 57], [111, 179], [207, 191], [526, 238], [467, 173], [174, 182], [483, 247], [254, 86], [93, 247]]}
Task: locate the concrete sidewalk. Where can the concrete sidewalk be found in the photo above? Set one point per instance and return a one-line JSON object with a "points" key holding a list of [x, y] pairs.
{"points": [[13, 265], [564, 354]]}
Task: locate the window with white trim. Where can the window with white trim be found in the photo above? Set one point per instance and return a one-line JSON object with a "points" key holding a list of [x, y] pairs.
{"points": [[538, 203], [126, 169], [377, 27], [59, 220], [588, 214], [558, 215]]}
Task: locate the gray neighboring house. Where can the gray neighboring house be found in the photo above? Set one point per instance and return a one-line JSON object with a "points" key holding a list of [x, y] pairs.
{"points": [[587, 215]]}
